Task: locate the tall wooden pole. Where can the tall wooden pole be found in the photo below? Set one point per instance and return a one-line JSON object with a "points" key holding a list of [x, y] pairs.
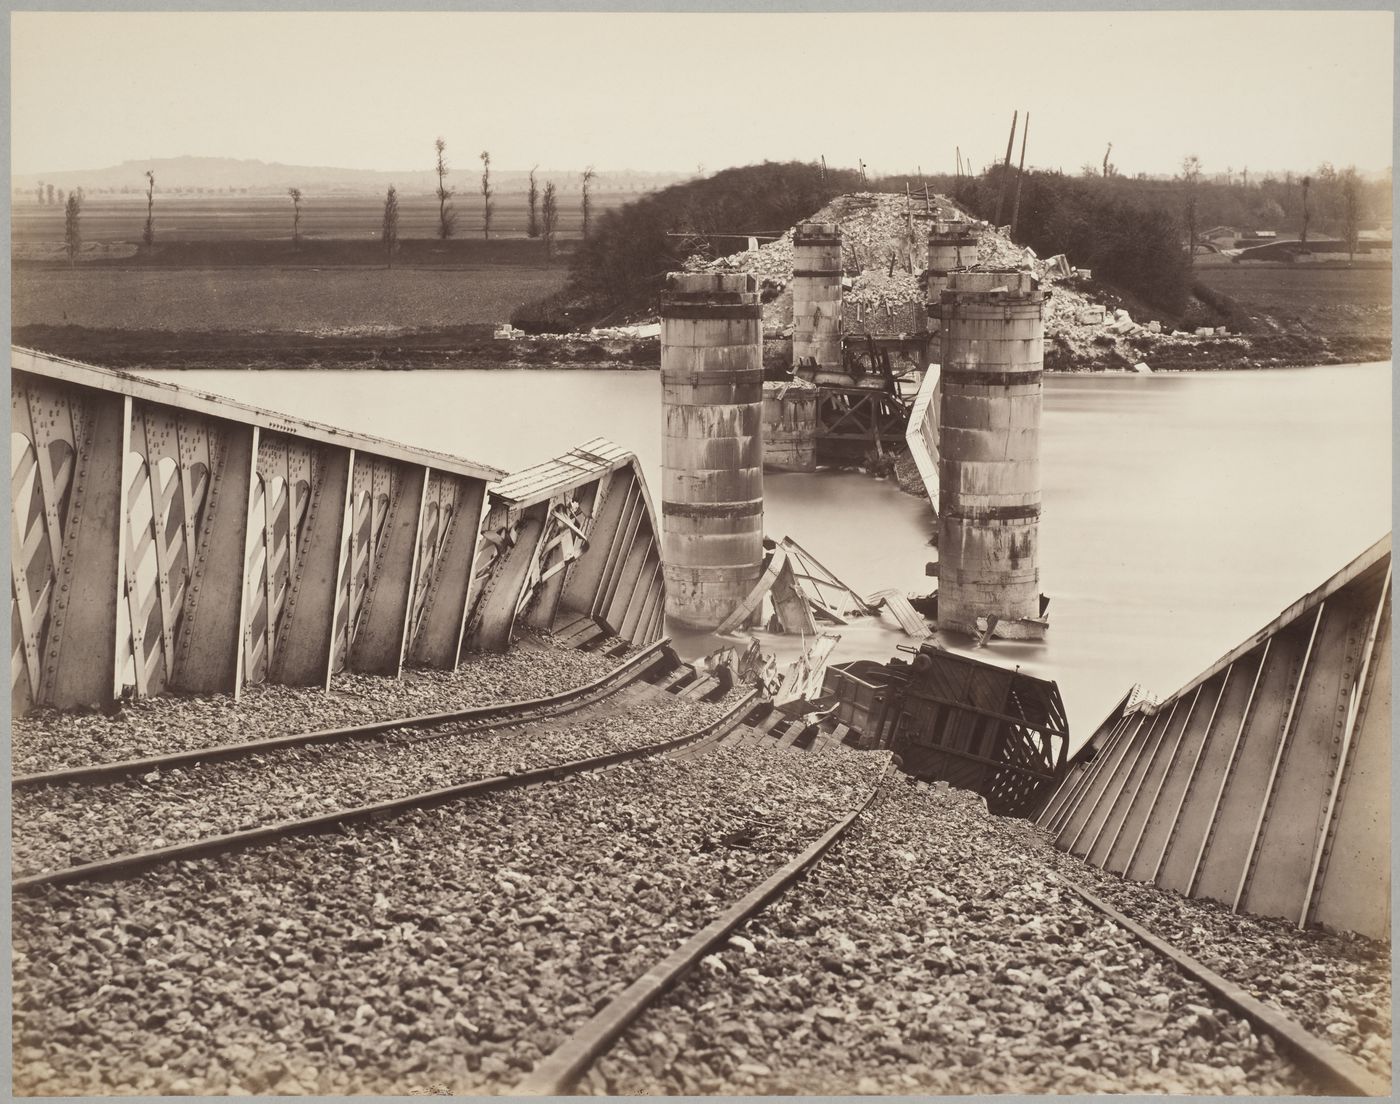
{"points": [[1020, 171], [1005, 168]]}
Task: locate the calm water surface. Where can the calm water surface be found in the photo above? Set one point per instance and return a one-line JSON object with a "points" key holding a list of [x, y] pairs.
{"points": [[1181, 513]]}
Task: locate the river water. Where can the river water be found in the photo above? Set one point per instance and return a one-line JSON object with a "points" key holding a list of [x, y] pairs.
{"points": [[1181, 512]]}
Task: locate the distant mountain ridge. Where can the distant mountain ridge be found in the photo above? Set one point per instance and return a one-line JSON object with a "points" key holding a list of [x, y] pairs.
{"points": [[219, 173]]}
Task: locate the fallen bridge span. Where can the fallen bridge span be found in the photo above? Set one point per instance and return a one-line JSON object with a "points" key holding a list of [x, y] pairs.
{"points": [[1264, 783], [166, 540]]}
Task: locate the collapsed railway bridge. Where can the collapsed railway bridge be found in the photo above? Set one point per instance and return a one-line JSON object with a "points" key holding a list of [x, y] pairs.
{"points": [[168, 542]]}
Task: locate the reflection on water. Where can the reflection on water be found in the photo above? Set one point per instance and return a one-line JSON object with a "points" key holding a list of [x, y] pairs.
{"points": [[1181, 513]]}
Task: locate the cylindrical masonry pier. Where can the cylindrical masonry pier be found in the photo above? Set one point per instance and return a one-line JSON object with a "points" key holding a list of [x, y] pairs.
{"points": [[989, 441], [816, 294], [789, 426], [952, 243], [712, 454]]}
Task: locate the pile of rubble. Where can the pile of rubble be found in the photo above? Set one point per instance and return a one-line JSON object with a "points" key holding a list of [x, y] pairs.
{"points": [[884, 250]]}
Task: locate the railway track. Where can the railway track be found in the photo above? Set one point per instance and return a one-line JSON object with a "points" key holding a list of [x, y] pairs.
{"points": [[599, 1017], [624, 1023], [559, 1073], [421, 749], [379, 957], [657, 659]]}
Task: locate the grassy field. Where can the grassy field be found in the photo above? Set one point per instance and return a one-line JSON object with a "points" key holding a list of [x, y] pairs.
{"points": [[262, 218], [301, 300], [224, 283], [312, 252], [227, 264], [1336, 301]]}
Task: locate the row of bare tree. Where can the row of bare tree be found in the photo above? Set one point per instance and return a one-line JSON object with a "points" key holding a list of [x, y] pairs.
{"points": [[543, 209]]}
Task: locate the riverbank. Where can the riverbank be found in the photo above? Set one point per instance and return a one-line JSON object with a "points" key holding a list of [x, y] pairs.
{"points": [[474, 345], [394, 348]]}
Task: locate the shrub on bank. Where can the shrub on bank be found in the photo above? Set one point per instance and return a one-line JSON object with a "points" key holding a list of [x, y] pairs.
{"points": [[1134, 245], [622, 265]]}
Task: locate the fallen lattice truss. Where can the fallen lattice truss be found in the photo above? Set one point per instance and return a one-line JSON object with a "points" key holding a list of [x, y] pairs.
{"points": [[165, 540]]}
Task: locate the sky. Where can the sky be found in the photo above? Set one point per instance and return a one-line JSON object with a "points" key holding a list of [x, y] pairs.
{"points": [[671, 91]]}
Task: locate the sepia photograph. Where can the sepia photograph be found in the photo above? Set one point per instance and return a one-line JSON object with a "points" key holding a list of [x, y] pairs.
{"points": [[691, 553]]}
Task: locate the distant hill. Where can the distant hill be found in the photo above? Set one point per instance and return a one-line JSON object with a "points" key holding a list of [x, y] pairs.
{"points": [[219, 174]]}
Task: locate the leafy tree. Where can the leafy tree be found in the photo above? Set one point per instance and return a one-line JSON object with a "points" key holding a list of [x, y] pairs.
{"points": [[447, 217], [391, 225], [532, 227], [1127, 238], [1327, 195], [148, 235], [72, 232], [1191, 173], [549, 218], [1307, 183], [295, 193], [1351, 209], [49, 190], [588, 175], [486, 194], [39, 193], [630, 249]]}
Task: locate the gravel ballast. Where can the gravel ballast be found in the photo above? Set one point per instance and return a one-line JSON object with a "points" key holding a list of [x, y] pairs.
{"points": [[535, 667], [1335, 985], [454, 946], [933, 952], [66, 825]]}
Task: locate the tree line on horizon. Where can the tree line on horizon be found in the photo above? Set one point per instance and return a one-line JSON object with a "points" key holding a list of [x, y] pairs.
{"points": [[542, 206], [1133, 232], [1137, 232]]}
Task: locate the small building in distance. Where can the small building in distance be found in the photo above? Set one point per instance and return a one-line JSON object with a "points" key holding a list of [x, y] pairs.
{"points": [[1218, 237]]}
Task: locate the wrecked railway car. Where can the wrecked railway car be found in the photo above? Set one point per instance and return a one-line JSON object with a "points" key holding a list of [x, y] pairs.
{"points": [[999, 732]]}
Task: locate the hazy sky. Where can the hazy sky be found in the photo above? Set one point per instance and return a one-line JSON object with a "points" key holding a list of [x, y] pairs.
{"points": [[671, 91]]}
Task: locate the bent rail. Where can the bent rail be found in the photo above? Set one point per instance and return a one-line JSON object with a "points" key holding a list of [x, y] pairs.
{"points": [[559, 1071], [1264, 783], [483, 716], [1336, 1071], [122, 865]]}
